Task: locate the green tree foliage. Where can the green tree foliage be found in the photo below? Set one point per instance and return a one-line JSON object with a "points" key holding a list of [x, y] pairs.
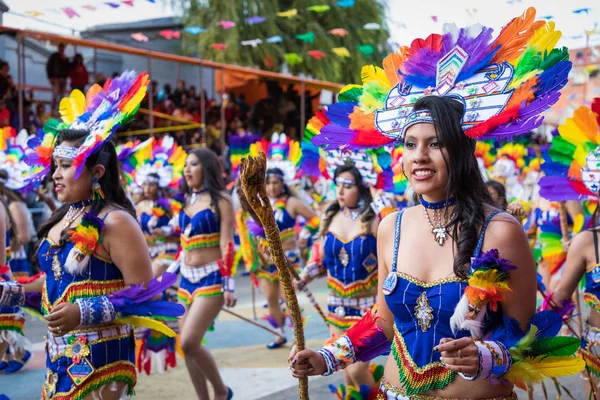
{"points": [[207, 13]]}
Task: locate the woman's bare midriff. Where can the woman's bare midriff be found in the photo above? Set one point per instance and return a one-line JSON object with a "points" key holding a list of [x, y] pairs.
{"points": [[459, 388], [594, 318], [203, 256]]}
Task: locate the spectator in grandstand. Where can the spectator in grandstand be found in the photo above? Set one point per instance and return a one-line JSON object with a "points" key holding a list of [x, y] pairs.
{"points": [[78, 74], [5, 87], [57, 69], [4, 114], [41, 115]]}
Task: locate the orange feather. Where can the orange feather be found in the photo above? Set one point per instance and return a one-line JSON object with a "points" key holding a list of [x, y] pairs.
{"points": [[91, 94], [514, 37], [361, 121], [523, 93], [391, 65]]}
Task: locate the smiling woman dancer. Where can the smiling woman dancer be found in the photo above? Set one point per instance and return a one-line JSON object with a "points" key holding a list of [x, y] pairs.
{"points": [[92, 251], [448, 305], [206, 224]]}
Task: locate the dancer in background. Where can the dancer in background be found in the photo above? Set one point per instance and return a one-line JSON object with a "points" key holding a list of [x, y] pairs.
{"points": [[284, 155], [579, 134], [207, 270]]}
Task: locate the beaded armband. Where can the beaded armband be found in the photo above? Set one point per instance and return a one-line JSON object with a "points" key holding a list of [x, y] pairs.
{"points": [[310, 228], [494, 361], [228, 284], [13, 294], [382, 206], [338, 355], [96, 310], [314, 270]]}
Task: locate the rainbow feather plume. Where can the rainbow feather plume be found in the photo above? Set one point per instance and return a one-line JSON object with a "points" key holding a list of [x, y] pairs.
{"points": [[101, 111], [240, 147], [519, 72], [572, 172], [553, 253], [13, 160]]}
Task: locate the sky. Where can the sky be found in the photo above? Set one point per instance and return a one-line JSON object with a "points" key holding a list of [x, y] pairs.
{"points": [[407, 19]]}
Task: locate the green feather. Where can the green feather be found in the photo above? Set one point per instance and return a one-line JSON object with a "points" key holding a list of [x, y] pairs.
{"points": [[555, 346], [553, 57], [561, 151], [530, 60], [378, 373], [351, 95]]}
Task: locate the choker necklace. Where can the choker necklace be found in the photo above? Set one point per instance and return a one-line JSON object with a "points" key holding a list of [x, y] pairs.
{"points": [[353, 212], [75, 210], [438, 227], [196, 194]]}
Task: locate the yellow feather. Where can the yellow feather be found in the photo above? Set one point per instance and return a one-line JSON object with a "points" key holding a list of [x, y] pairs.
{"points": [[370, 73], [72, 106], [518, 82], [578, 223], [545, 38], [148, 323], [369, 104], [485, 279], [535, 370], [571, 132]]}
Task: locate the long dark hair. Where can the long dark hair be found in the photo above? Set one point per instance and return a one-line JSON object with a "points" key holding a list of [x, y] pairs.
{"points": [[501, 190], [212, 177], [110, 182], [367, 213], [464, 179], [277, 171]]}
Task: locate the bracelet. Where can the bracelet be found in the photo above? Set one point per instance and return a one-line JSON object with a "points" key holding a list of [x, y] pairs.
{"points": [[228, 284], [494, 361], [338, 355], [313, 270], [95, 311], [13, 294]]}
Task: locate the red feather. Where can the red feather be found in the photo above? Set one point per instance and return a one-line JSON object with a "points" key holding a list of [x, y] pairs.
{"points": [[30, 279], [596, 108], [364, 329], [370, 138], [433, 42], [503, 118]]}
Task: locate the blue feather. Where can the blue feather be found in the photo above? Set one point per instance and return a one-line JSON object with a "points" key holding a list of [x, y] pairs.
{"points": [[339, 113], [548, 323], [553, 79]]}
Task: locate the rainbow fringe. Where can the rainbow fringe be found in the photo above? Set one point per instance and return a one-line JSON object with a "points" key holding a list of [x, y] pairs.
{"points": [[342, 323], [358, 286], [200, 241], [592, 362], [553, 253], [12, 323], [207, 291], [79, 290]]}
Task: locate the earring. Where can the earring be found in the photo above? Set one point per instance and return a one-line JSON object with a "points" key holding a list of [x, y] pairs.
{"points": [[97, 193]]}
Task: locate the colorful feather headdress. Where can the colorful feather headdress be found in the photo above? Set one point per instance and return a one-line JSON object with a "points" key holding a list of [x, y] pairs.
{"points": [[504, 84], [509, 160], [162, 157], [240, 147], [101, 111], [573, 171], [374, 165], [285, 154], [12, 160]]}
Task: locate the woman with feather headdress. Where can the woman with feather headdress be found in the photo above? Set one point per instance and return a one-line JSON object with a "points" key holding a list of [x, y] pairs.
{"points": [[572, 174], [97, 277], [457, 282]]}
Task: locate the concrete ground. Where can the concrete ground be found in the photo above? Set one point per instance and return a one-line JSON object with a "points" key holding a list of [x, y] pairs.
{"points": [[252, 371]]}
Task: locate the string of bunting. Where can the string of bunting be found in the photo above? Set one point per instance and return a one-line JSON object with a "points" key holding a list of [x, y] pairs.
{"points": [[74, 11]]}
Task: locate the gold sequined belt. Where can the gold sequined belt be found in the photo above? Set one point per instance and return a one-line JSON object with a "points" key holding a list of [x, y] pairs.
{"points": [[387, 391]]}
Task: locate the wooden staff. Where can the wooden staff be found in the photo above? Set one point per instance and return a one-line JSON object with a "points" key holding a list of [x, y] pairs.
{"points": [[310, 296], [252, 177], [228, 311]]}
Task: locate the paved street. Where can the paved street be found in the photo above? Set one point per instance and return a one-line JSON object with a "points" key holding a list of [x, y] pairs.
{"points": [[252, 371]]}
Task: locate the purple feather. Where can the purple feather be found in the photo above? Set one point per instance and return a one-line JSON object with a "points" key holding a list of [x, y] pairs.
{"points": [[478, 48], [140, 293], [339, 113], [557, 188], [491, 260], [333, 136], [421, 68], [163, 202], [255, 228], [516, 128], [372, 347]]}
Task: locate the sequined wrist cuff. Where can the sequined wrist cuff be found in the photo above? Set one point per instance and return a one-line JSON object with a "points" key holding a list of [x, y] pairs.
{"points": [[338, 355], [13, 294], [95, 310], [228, 284]]}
